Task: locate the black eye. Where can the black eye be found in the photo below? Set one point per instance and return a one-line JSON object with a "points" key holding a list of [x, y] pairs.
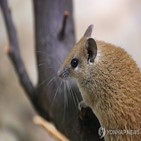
{"points": [[74, 62]]}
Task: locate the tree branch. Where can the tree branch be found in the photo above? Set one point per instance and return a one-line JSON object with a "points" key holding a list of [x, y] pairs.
{"points": [[49, 127], [13, 51], [62, 31]]}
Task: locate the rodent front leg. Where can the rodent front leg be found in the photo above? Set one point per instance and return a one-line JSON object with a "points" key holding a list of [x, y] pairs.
{"points": [[81, 105], [85, 111]]}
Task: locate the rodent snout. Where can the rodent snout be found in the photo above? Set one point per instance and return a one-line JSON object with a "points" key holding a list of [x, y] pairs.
{"points": [[59, 73], [62, 73]]}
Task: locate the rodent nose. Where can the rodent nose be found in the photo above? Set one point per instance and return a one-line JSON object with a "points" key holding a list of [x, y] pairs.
{"points": [[60, 74]]}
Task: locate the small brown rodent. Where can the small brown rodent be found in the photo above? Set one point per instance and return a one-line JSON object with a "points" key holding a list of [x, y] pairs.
{"points": [[110, 83]]}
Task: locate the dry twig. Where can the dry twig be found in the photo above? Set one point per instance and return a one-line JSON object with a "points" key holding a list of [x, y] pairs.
{"points": [[62, 31], [49, 128]]}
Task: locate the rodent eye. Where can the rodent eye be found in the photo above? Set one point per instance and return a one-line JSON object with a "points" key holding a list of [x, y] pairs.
{"points": [[74, 62]]}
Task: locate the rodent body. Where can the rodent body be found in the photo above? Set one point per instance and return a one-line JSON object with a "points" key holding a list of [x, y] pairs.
{"points": [[110, 83]]}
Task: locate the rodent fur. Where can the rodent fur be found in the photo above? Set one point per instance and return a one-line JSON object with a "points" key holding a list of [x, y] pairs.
{"points": [[110, 85]]}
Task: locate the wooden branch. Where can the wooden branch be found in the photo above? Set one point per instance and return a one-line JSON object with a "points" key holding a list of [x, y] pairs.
{"points": [[62, 31], [14, 52], [49, 128]]}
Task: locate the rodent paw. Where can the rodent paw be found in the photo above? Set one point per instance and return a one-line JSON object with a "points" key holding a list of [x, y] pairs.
{"points": [[82, 107]]}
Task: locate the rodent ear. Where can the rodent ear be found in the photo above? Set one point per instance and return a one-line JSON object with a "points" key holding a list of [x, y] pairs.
{"points": [[88, 32], [91, 48]]}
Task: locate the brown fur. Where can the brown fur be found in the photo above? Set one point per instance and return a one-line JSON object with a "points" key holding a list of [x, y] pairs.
{"points": [[111, 86]]}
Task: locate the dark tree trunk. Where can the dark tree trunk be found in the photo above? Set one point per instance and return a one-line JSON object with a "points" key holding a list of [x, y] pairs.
{"points": [[51, 99]]}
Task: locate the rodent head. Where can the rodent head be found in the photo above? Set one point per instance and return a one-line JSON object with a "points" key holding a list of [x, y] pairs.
{"points": [[81, 55]]}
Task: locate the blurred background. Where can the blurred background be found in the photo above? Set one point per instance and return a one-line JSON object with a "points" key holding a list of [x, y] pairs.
{"points": [[115, 21]]}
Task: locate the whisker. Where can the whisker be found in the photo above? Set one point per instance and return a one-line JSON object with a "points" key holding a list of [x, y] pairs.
{"points": [[51, 81], [46, 81], [72, 94], [65, 100], [75, 95], [57, 90], [45, 63]]}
